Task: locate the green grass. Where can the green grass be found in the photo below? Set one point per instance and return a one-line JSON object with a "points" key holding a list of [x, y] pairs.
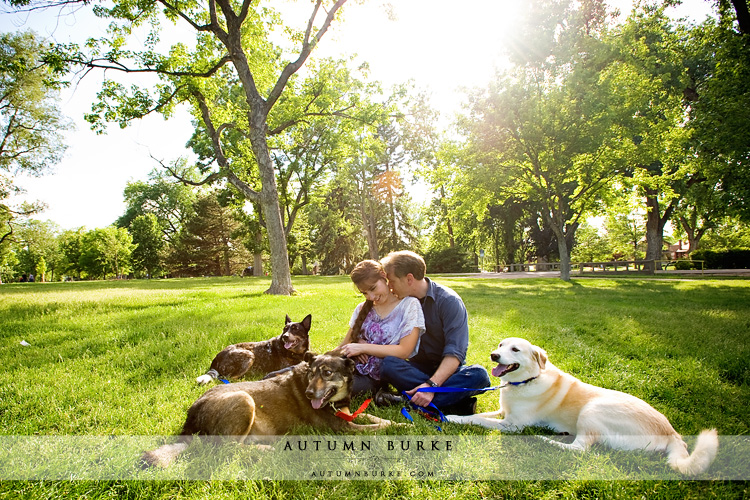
{"points": [[120, 358]]}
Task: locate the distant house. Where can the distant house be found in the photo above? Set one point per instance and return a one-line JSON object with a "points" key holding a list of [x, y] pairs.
{"points": [[677, 251]]}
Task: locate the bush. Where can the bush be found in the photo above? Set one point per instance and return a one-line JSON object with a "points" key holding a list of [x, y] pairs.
{"points": [[724, 259], [683, 265], [449, 260]]}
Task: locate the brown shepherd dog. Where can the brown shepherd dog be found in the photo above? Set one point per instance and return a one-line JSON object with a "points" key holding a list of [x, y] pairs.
{"points": [[303, 395], [262, 357]]}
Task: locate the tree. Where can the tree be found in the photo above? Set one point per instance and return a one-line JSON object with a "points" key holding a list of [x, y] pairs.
{"points": [[207, 244], [232, 53], [71, 248], [106, 251], [169, 201], [30, 122], [718, 107], [35, 242], [649, 74], [336, 228], [541, 130], [147, 236]]}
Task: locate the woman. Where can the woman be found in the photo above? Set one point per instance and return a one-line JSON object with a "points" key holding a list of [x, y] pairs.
{"points": [[383, 325]]}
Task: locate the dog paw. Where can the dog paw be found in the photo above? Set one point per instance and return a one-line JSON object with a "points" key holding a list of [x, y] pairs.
{"points": [[204, 379], [458, 419]]}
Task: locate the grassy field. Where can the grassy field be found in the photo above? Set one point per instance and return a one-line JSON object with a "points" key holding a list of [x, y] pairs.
{"points": [[120, 359]]}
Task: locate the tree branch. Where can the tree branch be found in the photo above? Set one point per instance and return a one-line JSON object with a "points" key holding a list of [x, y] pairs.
{"points": [[211, 178], [198, 27], [224, 167], [105, 64], [307, 46]]}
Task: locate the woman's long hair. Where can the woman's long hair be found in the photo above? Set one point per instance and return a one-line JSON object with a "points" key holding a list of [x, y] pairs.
{"points": [[365, 273]]}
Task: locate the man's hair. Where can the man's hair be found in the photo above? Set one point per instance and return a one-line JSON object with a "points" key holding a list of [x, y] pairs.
{"points": [[405, 262]]}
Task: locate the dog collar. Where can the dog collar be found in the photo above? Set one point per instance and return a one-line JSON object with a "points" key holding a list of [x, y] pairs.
{"points": [[521, 382], [349, 418]]}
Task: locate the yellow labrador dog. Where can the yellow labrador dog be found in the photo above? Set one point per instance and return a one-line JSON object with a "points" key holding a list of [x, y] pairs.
{"points": [[536, 393]]}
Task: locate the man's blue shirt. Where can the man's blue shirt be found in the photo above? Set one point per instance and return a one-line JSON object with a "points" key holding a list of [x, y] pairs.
{"points": [[447, 325]]}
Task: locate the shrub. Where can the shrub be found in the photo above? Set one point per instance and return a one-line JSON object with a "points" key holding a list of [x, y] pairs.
{"points": [[725, 259], [683, 265], [448, 260]]}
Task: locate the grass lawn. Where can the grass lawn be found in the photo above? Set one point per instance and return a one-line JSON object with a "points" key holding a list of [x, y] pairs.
{"points": [[120, 359]]}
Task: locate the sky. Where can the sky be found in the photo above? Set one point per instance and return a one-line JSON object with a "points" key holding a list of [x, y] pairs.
{"points": [[439, 46]]}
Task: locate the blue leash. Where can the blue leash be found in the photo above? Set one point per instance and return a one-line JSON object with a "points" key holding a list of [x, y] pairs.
{"points": [[460, 389]]}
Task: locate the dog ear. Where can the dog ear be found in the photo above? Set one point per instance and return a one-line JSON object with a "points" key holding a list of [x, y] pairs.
{"points": [[540, 356], [306, 322], [349, 364], [309, 357], [288, 320]]}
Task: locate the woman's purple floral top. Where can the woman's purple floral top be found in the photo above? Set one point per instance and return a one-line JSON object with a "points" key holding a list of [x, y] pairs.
{"points": [[389, 330]]}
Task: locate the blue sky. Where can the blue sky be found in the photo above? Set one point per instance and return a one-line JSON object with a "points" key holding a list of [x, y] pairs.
{"points": [[441, 47]]}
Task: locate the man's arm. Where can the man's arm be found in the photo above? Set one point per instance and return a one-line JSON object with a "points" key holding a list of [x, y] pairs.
{"points": [[447, 367]]}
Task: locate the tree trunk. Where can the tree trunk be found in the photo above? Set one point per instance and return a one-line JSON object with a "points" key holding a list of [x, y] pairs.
{"points": [[258, 256], [371, 233], [564, 251], [281, 274], [655, 230]]}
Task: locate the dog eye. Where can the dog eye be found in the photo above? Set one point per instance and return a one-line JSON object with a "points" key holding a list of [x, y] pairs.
{"points": [[327, 373], [515, 349]]}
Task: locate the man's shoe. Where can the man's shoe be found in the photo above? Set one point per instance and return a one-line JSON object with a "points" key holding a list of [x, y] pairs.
{"points": [[385, 398], [466, 406]]}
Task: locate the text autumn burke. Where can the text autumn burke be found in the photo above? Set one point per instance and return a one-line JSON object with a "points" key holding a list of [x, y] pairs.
{"points": [[325, 445]]}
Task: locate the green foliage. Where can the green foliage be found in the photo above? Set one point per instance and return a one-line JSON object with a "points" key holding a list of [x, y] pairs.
{"points": [[30, 122], [591, 246], [207, 245], [106, 252], [719, 94], [449, 260], [725, 259], [169, 201], [147, 254]]}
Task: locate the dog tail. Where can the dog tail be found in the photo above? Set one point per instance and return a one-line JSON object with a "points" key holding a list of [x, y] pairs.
{"points": [[697, 462], [208, 377], [165, 455]]}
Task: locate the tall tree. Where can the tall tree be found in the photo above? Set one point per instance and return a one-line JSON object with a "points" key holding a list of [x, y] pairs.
{"points": [[233, 52], [207, 243], [542, 127], [147, 236], [718, 104], [30, 122], [169, 201], [650, 76], [71, 248], [106, 251]]}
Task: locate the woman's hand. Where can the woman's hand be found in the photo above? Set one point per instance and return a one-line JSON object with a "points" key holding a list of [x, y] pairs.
{"points": [[356, 351]]}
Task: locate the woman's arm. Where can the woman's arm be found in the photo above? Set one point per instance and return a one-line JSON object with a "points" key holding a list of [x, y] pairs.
{"points": [[402, 350], [347, 338]]}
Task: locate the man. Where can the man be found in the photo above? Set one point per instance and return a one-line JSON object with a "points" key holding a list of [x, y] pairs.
{"points": [[440, 359]]}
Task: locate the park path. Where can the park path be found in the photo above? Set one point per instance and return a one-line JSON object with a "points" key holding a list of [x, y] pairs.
{"points": [[743, 273]]}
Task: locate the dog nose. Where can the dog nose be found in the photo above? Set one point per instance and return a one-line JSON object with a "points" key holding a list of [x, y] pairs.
{"points": [[309, 393], [495, 357]]}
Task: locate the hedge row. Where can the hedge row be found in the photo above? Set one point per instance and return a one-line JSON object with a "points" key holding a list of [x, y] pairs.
{"points": [[725, 259]]}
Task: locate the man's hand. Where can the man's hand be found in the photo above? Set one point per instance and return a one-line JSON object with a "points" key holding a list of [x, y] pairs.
{"points": [[421, 398]]}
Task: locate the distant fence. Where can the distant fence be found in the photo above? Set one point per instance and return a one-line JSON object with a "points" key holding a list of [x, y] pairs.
{"points": [[613, 266]]}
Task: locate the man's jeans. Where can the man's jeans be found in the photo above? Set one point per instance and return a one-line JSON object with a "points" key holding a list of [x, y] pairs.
{"points": [[405, 376]]}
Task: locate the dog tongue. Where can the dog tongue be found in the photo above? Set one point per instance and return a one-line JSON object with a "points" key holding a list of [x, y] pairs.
{"points": [[316, 403], [499, 370], [287, 345]]}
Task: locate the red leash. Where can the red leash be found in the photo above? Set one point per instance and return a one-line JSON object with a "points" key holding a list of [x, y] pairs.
{"points": [[351, 417]]}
